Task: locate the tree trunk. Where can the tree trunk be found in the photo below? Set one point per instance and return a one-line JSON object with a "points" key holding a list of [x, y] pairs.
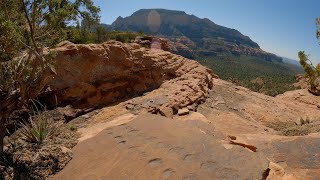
{"points": [[2, 134], [8, 103]]}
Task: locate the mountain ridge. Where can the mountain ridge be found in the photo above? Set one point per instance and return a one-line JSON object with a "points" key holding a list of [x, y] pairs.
{"points": [[209, 37], [291, 61], [181, 18]]}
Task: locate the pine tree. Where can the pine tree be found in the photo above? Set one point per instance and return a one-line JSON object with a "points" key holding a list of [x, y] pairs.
{"points": [[312, 73]]}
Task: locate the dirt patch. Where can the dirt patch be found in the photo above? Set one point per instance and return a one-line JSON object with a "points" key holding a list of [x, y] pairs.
{"points": [[31, 161]]}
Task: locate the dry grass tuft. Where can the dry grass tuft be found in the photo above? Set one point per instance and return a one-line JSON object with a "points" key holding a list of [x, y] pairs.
{"points": [[303, 128]]}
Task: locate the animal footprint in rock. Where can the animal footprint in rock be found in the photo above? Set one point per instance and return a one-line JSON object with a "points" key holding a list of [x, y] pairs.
{"points": [[123, 125], [117, 137], [191, 176], [150, 139], [220, 171], [143, 155], [133, 149], [133, 131], [161, 145], [129, 129], [209, 166], [109, 131], [120, 140], [153, 163], [137, 149], [190, 158], [168, 173], [141, 134], [176, 150]]}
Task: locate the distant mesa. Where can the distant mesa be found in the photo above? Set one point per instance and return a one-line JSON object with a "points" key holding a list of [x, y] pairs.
{"points": [[192, 36], [154, 21]]}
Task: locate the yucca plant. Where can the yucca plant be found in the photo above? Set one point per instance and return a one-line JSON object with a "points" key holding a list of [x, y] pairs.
{"points": [[39, 129]]}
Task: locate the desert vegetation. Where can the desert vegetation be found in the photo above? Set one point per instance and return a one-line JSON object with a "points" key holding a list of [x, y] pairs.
{"points": [[271, 78], [301, 127], [98, 34], [39, 129], [312, 73], [24, 62], [37, 149], [27, 30]]}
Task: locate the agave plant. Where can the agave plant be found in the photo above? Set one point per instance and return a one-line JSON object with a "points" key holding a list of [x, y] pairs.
{"points": [[38, 130]]}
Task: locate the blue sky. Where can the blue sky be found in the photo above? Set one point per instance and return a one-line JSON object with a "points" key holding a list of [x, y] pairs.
{"points": [[283, 27]]}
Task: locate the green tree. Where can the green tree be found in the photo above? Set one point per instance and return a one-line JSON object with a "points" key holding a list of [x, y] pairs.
{"points": [[312, 72], [101, 34], [27, 27]]}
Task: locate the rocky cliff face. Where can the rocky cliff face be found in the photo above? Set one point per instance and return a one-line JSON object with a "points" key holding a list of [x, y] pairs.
{"points": [[188, 31], [98, 74]]}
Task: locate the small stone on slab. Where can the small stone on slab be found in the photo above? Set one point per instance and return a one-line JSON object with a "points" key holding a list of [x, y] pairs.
{"points": [[183, 111]]}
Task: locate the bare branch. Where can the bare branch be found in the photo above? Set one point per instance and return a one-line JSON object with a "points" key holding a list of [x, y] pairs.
{"points": [[30, 25], [34, 14]]}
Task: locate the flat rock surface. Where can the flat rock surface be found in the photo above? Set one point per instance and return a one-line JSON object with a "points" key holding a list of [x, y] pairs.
{"points": [[154, 147], [301, 153]]}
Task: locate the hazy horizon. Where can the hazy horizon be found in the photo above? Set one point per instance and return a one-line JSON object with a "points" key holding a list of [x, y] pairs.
{"points": [[283, 28]]}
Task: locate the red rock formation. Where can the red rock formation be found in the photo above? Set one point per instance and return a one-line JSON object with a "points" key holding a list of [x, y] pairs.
{"points": [[97, 74], [148, 41], [181, 46]]}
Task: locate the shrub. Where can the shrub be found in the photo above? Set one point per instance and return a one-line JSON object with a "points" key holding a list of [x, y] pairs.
{"points": [[296, 131], [73, 127], [39, 129]]}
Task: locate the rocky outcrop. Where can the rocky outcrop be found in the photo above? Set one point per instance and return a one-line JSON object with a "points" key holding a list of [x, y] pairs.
{"points": [[152, 42], [175, 45], [239, 104], [182, 46], [98, 74], [302, 82], [304, 98]]}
